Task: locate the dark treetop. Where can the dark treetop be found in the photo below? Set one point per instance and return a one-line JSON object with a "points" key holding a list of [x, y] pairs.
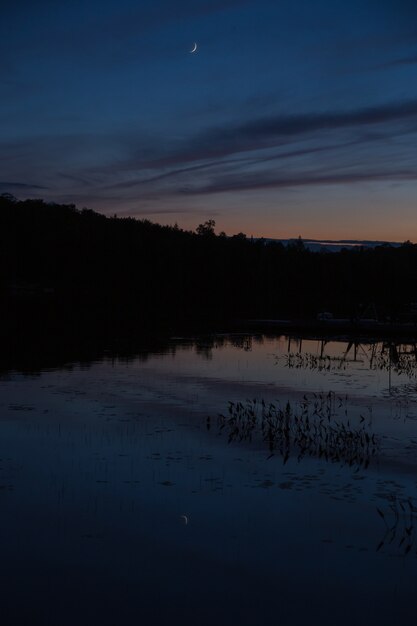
{"points": [[60, 264]]}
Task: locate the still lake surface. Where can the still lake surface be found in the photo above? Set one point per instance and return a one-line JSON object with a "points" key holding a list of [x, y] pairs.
{"points": [[234, 479]]}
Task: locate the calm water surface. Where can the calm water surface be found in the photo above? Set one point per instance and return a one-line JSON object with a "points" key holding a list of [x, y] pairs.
{"points": [[126, 499]]}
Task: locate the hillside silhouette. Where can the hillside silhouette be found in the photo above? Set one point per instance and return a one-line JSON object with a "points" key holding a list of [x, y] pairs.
{"points": [[61, 265]]}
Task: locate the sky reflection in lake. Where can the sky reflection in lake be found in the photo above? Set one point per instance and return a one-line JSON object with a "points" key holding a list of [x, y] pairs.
{"points": [[122, 503]]}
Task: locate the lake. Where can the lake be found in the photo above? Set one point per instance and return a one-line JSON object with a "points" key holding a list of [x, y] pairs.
{"points": [[223, 479]]}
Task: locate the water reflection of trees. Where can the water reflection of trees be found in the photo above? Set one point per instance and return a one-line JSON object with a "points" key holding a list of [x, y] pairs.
{"points": [[80, 351], [400, 358]]}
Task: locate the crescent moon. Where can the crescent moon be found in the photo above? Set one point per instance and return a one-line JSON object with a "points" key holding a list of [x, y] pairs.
{"points": [[185, 518], [194, 48]]}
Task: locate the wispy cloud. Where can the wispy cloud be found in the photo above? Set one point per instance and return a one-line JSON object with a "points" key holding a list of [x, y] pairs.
{"points": [[409, 60], [237, 161], [266, 181], [4, 186], [369, 144], [276, 152], [268, 132]]}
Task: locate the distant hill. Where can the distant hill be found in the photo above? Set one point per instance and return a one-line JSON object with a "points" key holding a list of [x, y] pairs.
{"points": [[321, 245]]}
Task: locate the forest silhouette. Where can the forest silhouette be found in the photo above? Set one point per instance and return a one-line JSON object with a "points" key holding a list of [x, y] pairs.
{"points": [[62, 266]]}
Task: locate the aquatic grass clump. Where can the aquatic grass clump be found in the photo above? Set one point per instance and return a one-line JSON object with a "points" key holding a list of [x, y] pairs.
{"points": [[392, 358], [319, 363], [308, 428]]}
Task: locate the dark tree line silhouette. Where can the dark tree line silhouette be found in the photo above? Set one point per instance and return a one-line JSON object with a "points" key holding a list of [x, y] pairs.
{"points": [[59, 264]]}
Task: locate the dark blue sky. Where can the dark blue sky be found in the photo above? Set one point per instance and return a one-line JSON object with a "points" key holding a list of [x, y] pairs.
{"points": [[291, 118]]}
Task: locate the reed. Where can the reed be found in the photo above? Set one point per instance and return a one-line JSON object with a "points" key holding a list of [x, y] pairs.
{"points": [[308, 428], [399, 519]]}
